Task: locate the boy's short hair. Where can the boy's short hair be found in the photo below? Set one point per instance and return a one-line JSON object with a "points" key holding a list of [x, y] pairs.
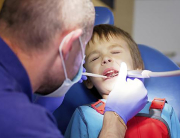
{"points": [[104, 31]]}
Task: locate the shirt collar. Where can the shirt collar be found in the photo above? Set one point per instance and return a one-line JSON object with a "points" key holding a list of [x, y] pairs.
{"points": [[14, 67], [104, 100]]}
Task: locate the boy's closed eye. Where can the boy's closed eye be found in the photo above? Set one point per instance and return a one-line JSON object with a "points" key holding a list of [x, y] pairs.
{"points": [[116, 52], [95, 58]]}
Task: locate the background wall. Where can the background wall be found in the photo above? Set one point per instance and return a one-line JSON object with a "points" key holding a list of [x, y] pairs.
{"points": [[152, 22], [157, 24], [123, 13]]}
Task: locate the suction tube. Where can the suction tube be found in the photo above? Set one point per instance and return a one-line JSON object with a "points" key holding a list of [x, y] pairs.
{"points": [[148, 74]]}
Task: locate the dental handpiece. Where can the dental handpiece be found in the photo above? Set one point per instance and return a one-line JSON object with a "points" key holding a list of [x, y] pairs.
{"points": [[142, 74]]}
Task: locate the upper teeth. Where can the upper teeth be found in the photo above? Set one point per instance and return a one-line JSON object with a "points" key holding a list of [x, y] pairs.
{"points": [[110, 71]]}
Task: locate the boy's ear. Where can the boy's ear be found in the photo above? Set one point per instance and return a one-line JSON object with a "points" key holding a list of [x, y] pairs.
{"points": [[69, 40], [88, 83]]}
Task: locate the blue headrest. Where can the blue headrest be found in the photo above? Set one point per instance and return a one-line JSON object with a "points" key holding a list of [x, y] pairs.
{"points": [[103, 16], [167, 87]]}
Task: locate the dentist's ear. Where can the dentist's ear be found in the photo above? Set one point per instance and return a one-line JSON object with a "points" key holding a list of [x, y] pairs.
{"points": [[68, 41], [88, 83]]}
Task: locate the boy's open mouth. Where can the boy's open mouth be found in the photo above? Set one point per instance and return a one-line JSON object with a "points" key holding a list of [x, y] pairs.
{"points": [[110, 73]]}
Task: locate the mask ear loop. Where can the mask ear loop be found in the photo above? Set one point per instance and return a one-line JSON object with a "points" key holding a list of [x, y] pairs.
{"points": [[80, 40], [60, 51]]}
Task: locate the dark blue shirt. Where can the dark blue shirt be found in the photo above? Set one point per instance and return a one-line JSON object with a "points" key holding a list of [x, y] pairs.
{"points": [[19, 117]]}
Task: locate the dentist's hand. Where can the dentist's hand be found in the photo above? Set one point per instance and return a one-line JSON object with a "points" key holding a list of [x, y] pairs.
{"points": [[83, 77], [127, 97]]}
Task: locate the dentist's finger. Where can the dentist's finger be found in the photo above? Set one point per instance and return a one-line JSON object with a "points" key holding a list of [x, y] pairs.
{"points": [[122, 73]]}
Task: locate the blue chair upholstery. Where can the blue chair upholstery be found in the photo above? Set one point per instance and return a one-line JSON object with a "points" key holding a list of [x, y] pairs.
{"points": [[103, 16]]}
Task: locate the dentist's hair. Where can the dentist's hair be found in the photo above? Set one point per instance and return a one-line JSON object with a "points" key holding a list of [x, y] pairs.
{"points": [[105, 31], [34, 24]]}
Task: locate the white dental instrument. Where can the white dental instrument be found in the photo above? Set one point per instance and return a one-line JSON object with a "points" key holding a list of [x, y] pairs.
{"points": [[93, 75], [141, 74]]}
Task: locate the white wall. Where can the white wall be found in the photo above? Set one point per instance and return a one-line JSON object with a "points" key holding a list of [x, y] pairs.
{"points": [[157, 24]]}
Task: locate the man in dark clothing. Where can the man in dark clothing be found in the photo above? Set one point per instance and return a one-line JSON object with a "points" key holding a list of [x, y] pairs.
{"points": [[41, 49]]}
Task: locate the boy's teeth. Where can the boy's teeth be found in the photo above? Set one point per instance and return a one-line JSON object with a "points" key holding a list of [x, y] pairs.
{"points": [[110, 71], [114, 74]]}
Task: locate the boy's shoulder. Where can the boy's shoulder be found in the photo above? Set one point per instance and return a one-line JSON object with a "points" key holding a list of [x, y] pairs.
{"points": [[87, 109], [166, 112], [88, 114], [166, 109], [90, 117]]}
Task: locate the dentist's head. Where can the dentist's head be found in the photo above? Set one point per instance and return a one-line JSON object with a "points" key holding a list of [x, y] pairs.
{"points": [[48, 37]]}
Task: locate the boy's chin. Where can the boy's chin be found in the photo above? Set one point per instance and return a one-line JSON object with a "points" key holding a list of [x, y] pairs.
{"points": [[111, 81], [109, 87]]}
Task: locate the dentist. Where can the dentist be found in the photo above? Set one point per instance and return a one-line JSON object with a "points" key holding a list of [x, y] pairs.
{"points": [[42, 46]]}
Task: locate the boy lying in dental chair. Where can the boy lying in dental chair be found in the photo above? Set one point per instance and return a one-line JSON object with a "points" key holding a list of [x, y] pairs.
{"points": [[107, 49]]}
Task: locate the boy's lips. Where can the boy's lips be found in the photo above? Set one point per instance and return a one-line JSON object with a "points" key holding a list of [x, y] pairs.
{"points": [[110, 73]]}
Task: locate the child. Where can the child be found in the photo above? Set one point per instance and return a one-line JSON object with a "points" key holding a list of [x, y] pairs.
{"points": [[107, 49]]}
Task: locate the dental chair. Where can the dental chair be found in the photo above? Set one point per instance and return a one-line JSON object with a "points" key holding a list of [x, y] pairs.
{"points": [[166, 87]]}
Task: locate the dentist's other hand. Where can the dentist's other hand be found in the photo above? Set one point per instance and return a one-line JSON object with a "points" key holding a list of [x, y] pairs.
{"points": [[127, 97], [83, 77]]}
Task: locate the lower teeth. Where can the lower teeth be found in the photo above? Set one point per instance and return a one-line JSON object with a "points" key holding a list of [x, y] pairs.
{"points": [[113, 75]]}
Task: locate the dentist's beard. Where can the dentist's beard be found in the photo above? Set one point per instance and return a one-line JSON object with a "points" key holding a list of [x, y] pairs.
{"points": [[49, 85]]}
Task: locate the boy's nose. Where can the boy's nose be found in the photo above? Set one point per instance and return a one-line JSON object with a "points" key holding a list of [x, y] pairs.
{"points": [[106, 60]]}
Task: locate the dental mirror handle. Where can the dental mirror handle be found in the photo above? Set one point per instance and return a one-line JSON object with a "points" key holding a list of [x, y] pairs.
{"points": [[93, 75]]}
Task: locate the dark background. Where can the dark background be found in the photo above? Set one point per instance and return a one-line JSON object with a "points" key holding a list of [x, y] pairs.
{"points": [[110, 3]]}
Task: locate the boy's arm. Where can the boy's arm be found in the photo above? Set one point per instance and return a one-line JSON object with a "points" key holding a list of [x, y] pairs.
{"points": [[113, 126], [76, 127], [175, 125]]}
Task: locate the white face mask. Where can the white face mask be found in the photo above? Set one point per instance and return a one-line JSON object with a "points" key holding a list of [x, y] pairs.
{"points": [[62, 90]]}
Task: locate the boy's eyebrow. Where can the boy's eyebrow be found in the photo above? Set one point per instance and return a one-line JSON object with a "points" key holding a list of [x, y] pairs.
{"points": [[115, 45], [93, 52]]}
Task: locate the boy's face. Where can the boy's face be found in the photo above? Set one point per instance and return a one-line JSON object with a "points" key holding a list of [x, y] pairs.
{"points": [[104, 57]]}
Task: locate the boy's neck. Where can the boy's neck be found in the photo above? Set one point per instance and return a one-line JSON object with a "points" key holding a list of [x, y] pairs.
{"points": [[104, 97]]}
